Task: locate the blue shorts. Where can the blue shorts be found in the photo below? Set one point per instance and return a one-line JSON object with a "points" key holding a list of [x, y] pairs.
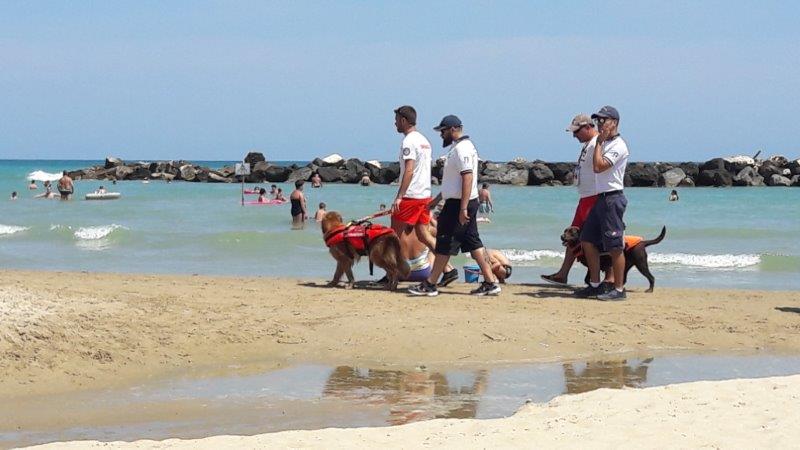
{"points": [[604, 227], [419, 275]]}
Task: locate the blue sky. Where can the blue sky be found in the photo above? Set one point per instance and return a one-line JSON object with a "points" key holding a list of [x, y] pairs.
{"points": [[296, 79]]}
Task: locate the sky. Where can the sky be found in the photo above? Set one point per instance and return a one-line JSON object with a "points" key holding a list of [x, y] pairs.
{"points": [[212, 80]]}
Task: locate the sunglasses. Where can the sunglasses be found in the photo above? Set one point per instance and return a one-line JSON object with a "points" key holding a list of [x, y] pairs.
{"points": [[602, 120]]}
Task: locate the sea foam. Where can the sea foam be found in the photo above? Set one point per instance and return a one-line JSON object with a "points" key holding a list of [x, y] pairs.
{"points": [[11, 229], [710, 261], [98, 232]]}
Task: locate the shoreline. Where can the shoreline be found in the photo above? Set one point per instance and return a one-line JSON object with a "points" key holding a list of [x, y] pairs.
{"points": [[62, 331], [728, 414]]}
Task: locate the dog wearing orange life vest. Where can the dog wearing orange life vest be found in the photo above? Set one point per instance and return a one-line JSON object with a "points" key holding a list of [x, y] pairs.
{"points": [[635, 253], [347, 243]]}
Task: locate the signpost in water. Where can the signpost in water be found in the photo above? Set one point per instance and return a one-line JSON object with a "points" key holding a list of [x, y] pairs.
{"points": [[242, 169]]}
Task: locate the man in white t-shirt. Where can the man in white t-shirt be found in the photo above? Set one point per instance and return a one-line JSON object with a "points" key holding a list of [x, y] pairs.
{"points": [[410, 207], [583, 130], [604, 228], [457, 228]]}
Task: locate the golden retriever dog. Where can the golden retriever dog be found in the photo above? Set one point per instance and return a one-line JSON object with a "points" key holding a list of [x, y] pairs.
{"points": [[383, 250]]}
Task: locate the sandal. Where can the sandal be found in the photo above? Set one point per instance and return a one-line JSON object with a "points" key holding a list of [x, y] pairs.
{"points": [[553, 280]]}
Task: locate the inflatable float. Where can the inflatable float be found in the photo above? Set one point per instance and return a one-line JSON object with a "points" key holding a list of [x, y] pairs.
{"points": [[268, 202], [105, 196]]}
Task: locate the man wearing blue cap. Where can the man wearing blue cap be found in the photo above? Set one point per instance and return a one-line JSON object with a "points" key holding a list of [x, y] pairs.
{"points": [[604, 226], [457, 228]]}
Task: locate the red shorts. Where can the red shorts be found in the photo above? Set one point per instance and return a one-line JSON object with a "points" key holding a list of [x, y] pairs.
{"points": [[585, 206], [413, 211]]}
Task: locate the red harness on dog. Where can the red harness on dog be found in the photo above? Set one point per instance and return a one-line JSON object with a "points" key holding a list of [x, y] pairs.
{"points": [[358, 236]]}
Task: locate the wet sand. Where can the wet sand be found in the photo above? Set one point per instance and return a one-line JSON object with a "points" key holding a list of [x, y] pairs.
{"points": [[61, 332], [722, 414]]}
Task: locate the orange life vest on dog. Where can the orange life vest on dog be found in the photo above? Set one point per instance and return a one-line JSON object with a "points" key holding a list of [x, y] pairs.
{"points": [[358, 236], [629, 242]]}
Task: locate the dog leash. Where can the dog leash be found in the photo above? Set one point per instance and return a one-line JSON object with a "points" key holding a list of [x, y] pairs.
{"points": [[385, 212]]}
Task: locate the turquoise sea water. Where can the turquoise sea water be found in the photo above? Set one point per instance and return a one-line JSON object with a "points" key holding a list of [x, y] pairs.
{"points": [[720, 238]]}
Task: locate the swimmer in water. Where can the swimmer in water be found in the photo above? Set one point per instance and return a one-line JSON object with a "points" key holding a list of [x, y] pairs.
{"points": [[673, 196], [320, 212], [262, 196], [485, 199]]}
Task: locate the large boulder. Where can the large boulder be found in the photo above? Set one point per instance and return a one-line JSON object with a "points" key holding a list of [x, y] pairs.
{"points": [[794, 167], [122, 172], [691, 169], [329, 174], [112, 162], [253, 157], [187, 172], [713, 164], [717, 178], [686, 182], [216, 177], [389, 173], [768, 169], [276, 174], [748, 177], [353, 170], [303, 173], [562, 170], [517, 177], [643, 175], [672, 177], [333, 159], [140, 172], [779, 160], [258, 172], [491, 172], [796, 180], [778, 180], [374, 168], [735, 164], [540, 174], [201, 174]]}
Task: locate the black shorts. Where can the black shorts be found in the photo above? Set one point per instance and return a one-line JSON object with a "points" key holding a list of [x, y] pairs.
{"points": [[451, 236], [604, 226]]}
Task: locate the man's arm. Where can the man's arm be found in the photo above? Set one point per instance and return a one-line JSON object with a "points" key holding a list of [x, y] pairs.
{"points": [[408, 173], [435, 201], [599, 162], [466, 190]]}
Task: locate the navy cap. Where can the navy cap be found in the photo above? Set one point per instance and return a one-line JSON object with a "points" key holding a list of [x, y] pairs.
{"points": [[608, 112], [448, 122]]}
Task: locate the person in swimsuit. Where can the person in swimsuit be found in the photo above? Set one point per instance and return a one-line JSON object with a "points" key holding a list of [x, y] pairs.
{"points": [[420, 259], [365, 181], [14, 195], [673, 196], [485, 199], [279, 195], [320, 212], [273, 190], [298, 200], [262, 196], [33, 186], [316, 181], [65, 187], [501, 266]]}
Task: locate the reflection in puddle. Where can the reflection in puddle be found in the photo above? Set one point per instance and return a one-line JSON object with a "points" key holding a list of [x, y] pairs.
{"points": [[313, 396], [411, 396]]}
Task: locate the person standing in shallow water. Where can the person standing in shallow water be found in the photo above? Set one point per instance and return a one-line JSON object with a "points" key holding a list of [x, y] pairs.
{"points": [[65, 186], [299, 214]]}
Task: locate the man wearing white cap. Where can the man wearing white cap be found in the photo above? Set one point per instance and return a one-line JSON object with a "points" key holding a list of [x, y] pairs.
{"points": [[582, 129]]}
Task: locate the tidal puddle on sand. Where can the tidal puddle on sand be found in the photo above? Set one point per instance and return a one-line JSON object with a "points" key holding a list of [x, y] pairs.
{"points": [[314, 396]]}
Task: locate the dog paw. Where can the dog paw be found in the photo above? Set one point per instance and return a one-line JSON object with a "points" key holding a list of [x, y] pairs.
{"points": [[349, 285]]}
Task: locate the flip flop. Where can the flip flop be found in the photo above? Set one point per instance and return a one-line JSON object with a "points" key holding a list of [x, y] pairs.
{"points": [[552, 280]]}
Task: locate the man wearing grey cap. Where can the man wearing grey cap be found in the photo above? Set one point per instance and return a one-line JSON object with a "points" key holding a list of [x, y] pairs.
{"points": [[604, 226], [582, 129], [457, 230]]}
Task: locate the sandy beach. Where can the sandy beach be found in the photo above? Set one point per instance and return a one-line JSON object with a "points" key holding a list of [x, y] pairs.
{"points": [[725, 414], [67, 331]]}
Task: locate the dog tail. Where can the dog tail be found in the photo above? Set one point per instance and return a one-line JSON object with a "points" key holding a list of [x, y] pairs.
{"points": [[656, 240]]}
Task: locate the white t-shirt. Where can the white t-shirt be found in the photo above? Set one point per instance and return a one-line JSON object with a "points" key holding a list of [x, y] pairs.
{"points": [[587, 179], [416, 147], [613, 179], [462, 157]]}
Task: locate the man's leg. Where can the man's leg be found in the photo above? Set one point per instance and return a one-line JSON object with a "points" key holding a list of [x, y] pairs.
{"points": [[479, 255], [618, 268], [424, 235], [593, 261], [439, 262], [566, 265]]}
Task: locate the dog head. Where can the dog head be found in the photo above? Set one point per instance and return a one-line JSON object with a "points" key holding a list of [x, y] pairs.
{"points": [[331, 220], [571, 236]]}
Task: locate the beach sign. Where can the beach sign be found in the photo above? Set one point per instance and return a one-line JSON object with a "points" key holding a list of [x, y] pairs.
{"points": [[242, 169]]}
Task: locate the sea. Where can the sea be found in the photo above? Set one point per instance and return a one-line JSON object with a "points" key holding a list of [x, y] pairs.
{"points": [[719, 238]]}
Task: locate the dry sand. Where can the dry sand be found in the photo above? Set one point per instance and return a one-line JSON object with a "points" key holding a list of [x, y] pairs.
{"points": [[65, 331], [759, 413]]}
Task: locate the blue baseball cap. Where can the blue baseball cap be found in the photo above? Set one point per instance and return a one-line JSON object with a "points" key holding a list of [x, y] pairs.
{"points": [[450, 121], [608, 112]]}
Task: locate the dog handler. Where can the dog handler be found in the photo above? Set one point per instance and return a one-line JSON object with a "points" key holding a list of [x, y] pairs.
{"points": [[457, 228], [583, 130], [604, 227]]}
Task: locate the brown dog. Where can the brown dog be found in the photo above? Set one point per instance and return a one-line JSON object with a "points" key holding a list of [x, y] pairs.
{"points": [[635, 255], [348, 243]]}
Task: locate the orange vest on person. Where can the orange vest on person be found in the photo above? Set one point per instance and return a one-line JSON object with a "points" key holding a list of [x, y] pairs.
{"points": [[628, 240], [358, 236]]}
